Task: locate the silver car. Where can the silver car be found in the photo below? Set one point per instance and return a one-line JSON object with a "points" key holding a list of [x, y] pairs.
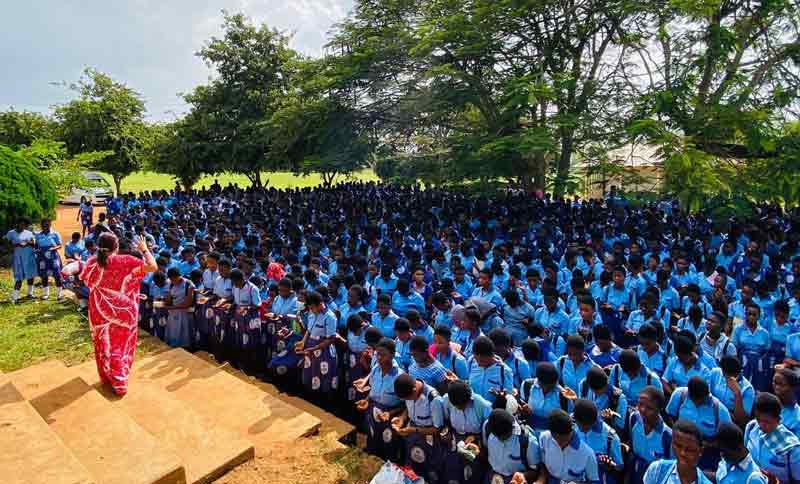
{"points": [[98, 191]]}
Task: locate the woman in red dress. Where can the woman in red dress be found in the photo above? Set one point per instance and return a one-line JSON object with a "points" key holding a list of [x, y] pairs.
{"points": [[113, 281]]}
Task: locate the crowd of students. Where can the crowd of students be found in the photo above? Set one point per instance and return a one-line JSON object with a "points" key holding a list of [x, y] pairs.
{"points": [[513, 339]]}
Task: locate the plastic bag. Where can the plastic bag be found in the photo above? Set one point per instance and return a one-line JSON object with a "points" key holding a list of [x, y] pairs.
{"points": [[392, 474]]}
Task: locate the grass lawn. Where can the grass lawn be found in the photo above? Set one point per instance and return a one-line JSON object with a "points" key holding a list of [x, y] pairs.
{"points": [[37, 330], [146, 180]]}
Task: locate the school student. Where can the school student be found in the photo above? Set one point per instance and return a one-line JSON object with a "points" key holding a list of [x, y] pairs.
{"points": [[687, 446], [573, 366], [565, 457], [419, 426], [246, 323], [733, 389], [505, 352], [518, 315], [684, 365], [74, 248], [465, 414], [488, 376], [384, 318], [452, 361], [513, 450], [773, 447], [601, 438], [737, 465], [753, 343], [541, 395], [630, 376], [319, 353], [423, 366], [715, 344], [402, 329], [649, 436], [610, 401], [180, 319], [48, 242], [468, 332], [786, 384]]}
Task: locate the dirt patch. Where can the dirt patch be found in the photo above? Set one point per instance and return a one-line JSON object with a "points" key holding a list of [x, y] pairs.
{"points": [[66, 221]]}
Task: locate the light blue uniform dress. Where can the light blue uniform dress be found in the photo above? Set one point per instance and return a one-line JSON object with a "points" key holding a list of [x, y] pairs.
{"points": [[646, 448], [719, 388], [380, 438], [514, 316], [386, 325], [462, 424], [574, 463], [506, 457], [666, 472], [603, 440], [631, 387], [753, 346], [49, 260], [320, 367], [424, 453], [541, 404], [180, 322], [744, 472], [454, 362], [570, 375], [777, 452], [24, 257], [486, 381]]}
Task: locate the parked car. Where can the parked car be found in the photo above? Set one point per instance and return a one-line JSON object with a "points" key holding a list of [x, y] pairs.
{"points": [[98, 191]]}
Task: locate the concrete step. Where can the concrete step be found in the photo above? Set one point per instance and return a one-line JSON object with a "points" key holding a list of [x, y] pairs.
{"points": [[207, 450], [30, 452], [229, 402], [109, 444]]}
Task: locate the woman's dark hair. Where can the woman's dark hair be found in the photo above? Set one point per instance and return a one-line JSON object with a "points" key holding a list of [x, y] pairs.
{"points": [[388, 344], [459, 393], [769, 404], [687, 427], [106, 245]]}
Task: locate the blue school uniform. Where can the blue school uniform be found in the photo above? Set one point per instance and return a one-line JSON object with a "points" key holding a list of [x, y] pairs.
{"points": [[616, 297], [401, 304], [717, 382], [514, 317], [574, 463], [744, 471], [424, 330], [180, 322], [603, 440], [493, 296], [637, 319], [519, 368], [753, 347], [723, 346], [657, 362], [48, 259], [605, 358], [556, 321], [704, 306], [576, 325], [666, 472], [495, 377], [631, 387], [687, 324], [385, 324], [647, 448], [505, 457], [535, 296], [320, 367], [793, 346], [464, 288], [542, 405], [463, 423], [424, 454], [790, 418], [346, 311], [443, 318], [73, 250], [187, 267], [466, 339], [777, 452], [678, 375], [381, 440], [670, 299], [403, 353], [454, 362], [707, 416], [613, 398], [384, 286], [571, 376]]}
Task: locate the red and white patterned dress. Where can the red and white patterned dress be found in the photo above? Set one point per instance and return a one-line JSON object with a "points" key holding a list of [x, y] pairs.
{"points": [[114, 315]]}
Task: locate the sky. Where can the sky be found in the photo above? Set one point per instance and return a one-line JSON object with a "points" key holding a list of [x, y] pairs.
{"points": [[147, 44]]}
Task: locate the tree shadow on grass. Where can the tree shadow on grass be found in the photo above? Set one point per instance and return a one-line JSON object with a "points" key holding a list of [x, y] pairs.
{"points": [[49, 313]]}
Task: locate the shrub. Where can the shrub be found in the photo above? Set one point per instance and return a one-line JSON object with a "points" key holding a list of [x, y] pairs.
{"points": [[25, 191]]}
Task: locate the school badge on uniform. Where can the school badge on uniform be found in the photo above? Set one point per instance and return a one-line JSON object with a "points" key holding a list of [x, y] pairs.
{"points": [[417, 455]]}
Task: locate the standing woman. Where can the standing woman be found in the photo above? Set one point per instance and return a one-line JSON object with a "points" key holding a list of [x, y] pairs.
{"points": [[114, 281], [85, 215], [48, 243], [24, 258], [319, 365]]}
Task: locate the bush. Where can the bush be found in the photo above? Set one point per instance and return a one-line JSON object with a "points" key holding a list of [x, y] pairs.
{"points": [[25, 191]]}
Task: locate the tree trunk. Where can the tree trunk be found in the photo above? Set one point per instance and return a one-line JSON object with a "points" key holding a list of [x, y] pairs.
{"points": [[564, 162], [118, 183], [539, 172], [255, 178]]}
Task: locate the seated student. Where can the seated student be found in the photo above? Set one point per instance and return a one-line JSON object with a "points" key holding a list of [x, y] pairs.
{"points": [[780, 328], [693, 298], [696, 404], [601, 438], [320, 361], [542, 395], [423, 366], [650, 437], [669, 299], [737, 465], [530, 354], [604, 352], [74, 248], [452, 361], [630, 376], [418, 326], [246, 323], [565, 457], [513, 451], [533, 294], [188, 261], [180, 321], [462, 284], [518, 315], [610, 401], [652, 356], [753, 343], [732, 389], [468, 332], [384, 317], [684, 365], [442, 306], [402, 329], [786, 384], [694, 322], [586, 319], [488, 376], [486, 289], [352, 306], [773, 447], [382, 404], [573, 366], [617, 301], [359, 352], [551, 316], [714, 344], [504, 351], [418, 425], [465, 413], [687, 447], [404, 299]]}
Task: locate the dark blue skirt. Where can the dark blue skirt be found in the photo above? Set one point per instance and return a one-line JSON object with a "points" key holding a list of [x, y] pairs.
{"points": [[381, 439], [49, 264], [424, 455], [456, 467], [354, 371], [320, 370]]}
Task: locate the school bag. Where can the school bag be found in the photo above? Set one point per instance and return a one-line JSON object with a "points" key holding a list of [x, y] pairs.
{"points": [[616, 369], [526, 390], [666, 438], [613, 393]]}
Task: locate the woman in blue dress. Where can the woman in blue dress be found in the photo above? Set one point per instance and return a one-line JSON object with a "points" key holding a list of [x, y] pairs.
{"points": [[24, 258], [86, 216], [48, 243]]}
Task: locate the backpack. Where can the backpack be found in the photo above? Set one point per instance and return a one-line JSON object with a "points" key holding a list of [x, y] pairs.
{"points": [[613, 394], [616, 369], [666, 439]]}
